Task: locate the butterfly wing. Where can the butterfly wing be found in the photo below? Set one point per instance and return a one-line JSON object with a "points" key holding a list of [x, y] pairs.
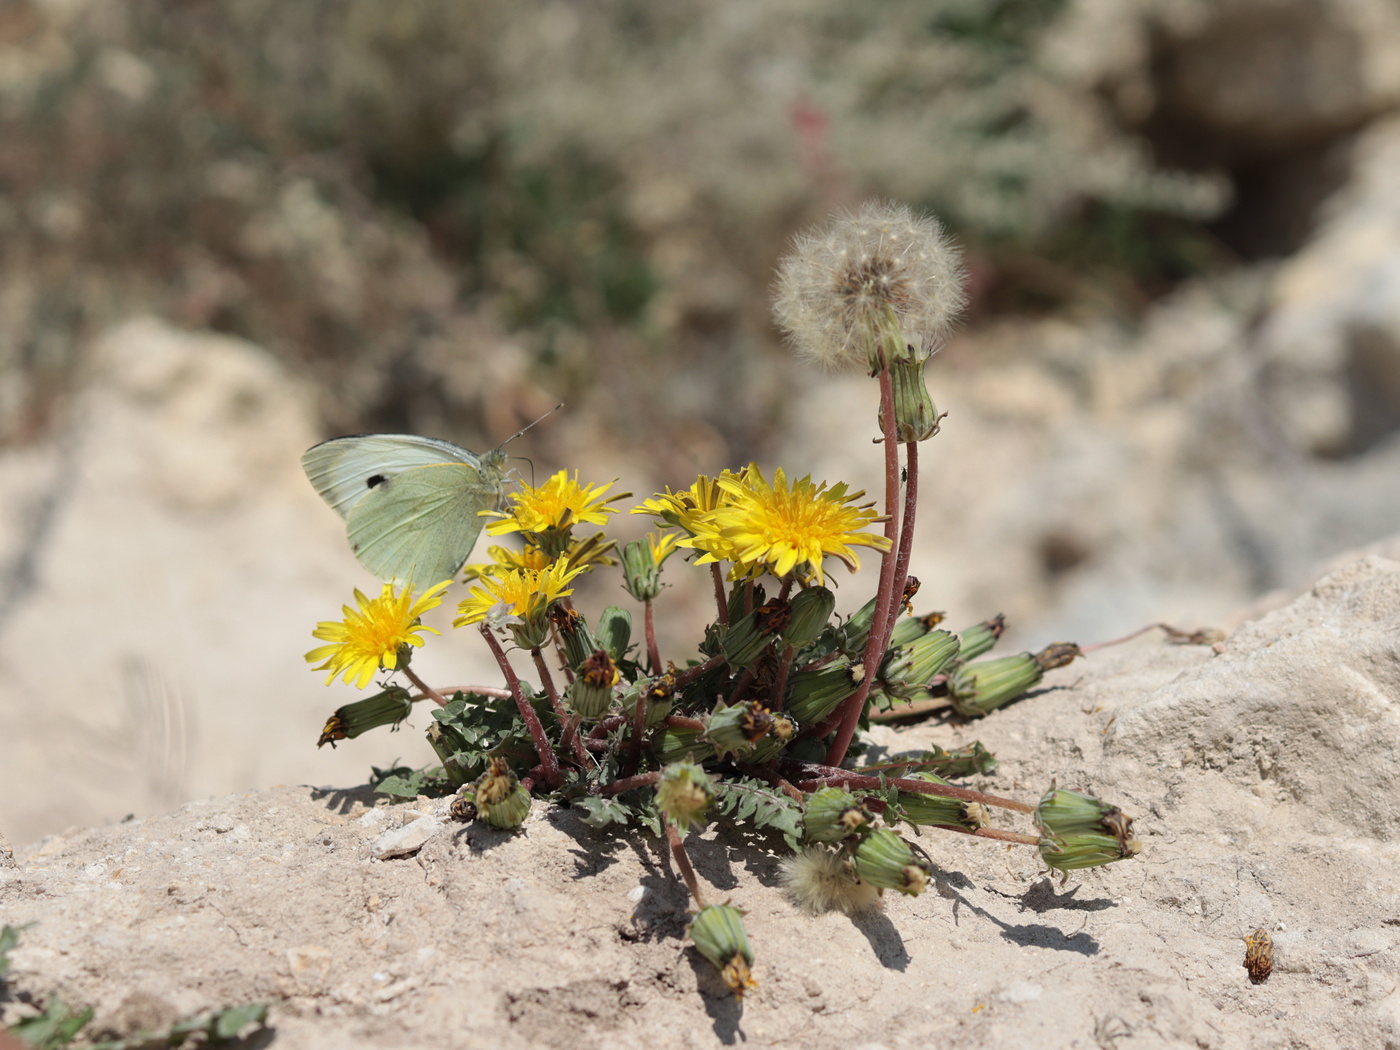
{"points": [[345, 470], [421, 524]]}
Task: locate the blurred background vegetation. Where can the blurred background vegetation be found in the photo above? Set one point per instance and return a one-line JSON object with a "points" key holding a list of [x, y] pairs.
{"points": [[447, 213]]}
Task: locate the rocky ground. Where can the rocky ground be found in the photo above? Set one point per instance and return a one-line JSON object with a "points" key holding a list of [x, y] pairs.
{"points": [[1262, 777]]}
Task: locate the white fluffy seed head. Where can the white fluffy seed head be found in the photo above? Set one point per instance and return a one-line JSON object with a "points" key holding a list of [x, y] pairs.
{"points": [[842, 278], [820, 880]]}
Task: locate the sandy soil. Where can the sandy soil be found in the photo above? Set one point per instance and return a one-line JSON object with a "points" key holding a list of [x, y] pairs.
{"points": [[1262, 776]]}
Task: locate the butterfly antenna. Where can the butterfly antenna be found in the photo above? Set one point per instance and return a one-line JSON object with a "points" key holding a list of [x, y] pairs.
{"points": [[527, 426]]}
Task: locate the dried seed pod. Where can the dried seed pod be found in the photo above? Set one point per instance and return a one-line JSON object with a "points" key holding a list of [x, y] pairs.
{"points": [[1259, 956]]}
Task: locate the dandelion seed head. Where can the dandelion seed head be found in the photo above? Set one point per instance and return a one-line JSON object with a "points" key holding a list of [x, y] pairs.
{"points": [[819, 880], [844, 278]]}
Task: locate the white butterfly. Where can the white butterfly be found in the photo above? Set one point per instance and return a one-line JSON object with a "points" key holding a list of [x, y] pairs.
{"points": [[411, 505]]}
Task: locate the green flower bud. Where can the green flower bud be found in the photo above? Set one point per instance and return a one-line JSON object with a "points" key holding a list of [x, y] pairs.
{"points": [[1079, 831], [909, 668], [641, 574], [615, 631], [940, 809], [657, 694], [735, 730], [447, 743], [388, 708], [684, 793], [591, 693], [912, 627], [813, 695], [855, 632], [980, 637], [532, 632], [964, 761], [887, 862], [719, 935], [772, 745], [915, 415], [501, 801], [833, 815], [676, 745], [811, 611], [980, 688], [746, 640], [579, 642]]}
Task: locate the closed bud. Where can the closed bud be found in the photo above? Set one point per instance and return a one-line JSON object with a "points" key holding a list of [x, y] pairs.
{"points": [[980, 637], [833, 815], [641, 574], [615, 631], [591, 693], [677, 744], [779, 735], [719, 935], [684, 793], [815, 694], [909, 668], [1079, 831], [961, 762], [388, 708], [811, 611], [920, 808], [887, 862], [1057, 654], [915, 415], [980, 688], [912, 627], [855, 632], [735, 730], [577, 639], [658, 695], [500, 799]]}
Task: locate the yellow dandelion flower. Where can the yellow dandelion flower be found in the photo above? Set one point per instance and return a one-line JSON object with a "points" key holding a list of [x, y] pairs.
{"points": [[556, 506], [504, 560], [517, 595], [688, 508], [373, 636], [780, 528]]}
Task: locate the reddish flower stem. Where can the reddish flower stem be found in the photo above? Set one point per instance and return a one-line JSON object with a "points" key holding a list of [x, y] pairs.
{"points": [[641, 780], [681, 722], [683, 863], [424, 687], [828, 777], [684, 678], [549, 762], [886, 596], [653, 652], [639, 724], [720, 599]]}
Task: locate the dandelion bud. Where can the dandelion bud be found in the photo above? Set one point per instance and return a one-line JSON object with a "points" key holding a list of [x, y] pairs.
{"points": [[719, 935], [735, 730], [833, 815], [979, 638], [813, 695], [579, 642], [978, 689], [383, 709], [1079, 831], [811, 610], [779, 736], [915, 415], [886, 861], [615, 631], [677, 744], [912, 627], [641, 574], [448, 744], [909, 668], [746, 639], [1057, 654], [920, 808], [500, 799], [684, 793], [963, 761], [855, 632], [591, 693], [658, 696], [850, 295]]}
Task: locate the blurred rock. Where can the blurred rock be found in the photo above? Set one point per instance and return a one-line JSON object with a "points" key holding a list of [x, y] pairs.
{"points": [[164, 562]]}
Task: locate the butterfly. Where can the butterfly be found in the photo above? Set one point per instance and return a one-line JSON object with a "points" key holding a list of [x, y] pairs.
{"points": [[411, 505]]}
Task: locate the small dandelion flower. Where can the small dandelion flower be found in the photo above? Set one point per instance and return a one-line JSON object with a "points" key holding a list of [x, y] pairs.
{"points": [[516, 596], [690, 507], [780, 528], [881, 276], [544, 515], [374, 636], [504, 560]]}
